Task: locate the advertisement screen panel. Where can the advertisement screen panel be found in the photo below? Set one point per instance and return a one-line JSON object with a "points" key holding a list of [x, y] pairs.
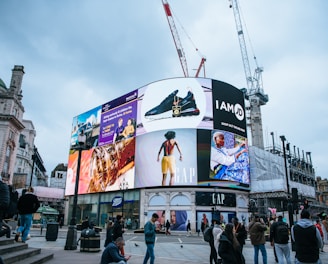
{"points": [[166, 157], [102, 168], [87, 123], [118, 119], [229, 108], [178, 219], [222, 159], [127, 138], [175, 103]]}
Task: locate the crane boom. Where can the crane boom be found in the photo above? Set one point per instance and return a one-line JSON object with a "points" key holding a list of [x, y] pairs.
{"points": [[254, 92], [176, 38], [254, 83]]}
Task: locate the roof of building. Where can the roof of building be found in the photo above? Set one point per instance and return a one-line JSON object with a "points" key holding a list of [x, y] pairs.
{"points": [[2, 85]]}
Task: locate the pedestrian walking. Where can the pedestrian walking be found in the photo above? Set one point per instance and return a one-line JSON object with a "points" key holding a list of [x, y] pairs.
{"points": [[229, 247], [307, 240], [240, 232], [217, 232], [43, 224], [167, 227], [118, 230], [150, 237], [27, 205], [279, 237], [256, 232], [188, 228], [109, 233], [318, 225]]}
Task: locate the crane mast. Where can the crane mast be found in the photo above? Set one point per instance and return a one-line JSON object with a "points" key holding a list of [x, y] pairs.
{"points": [[176, 38], [178, 45], [254, 92]]}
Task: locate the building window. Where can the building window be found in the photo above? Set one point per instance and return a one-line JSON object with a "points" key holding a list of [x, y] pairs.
{"points": [[8, 151]]}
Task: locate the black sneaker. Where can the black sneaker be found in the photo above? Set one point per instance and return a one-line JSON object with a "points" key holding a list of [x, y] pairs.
{"points": [[8, 233], [186, 107], [165, 105], [17, 236]]}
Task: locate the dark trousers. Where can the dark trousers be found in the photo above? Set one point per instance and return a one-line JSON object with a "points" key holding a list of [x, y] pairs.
{"points": [[214, 254]]}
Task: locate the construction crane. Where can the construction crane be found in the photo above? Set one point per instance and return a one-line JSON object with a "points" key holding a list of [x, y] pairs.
{"points": [[178, 45], [254, 92]]}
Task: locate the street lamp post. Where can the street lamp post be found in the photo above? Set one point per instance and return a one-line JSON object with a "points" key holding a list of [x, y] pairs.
{"points": [[71, 238], [124, 185], [33, 163], [289, 204]]}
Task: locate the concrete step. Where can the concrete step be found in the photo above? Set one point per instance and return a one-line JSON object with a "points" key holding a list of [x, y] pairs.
{"points": [[13, 257], [13, 252], [43, 257], [12, 247]]}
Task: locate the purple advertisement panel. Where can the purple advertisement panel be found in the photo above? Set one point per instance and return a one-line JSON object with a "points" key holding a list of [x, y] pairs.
{"points": [[175, 103], [118, 119], [166, 157]]}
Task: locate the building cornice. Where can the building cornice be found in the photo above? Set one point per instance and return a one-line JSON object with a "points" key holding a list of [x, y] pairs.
{"points": [[12, 119]]}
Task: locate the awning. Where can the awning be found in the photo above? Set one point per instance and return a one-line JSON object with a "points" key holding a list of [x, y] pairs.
{"points": [[47, 210]]}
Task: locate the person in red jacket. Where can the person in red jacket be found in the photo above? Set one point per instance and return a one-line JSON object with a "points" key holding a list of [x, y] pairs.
{"points": [[318, 225]]}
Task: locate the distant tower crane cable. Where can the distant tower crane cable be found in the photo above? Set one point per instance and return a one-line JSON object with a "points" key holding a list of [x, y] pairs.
{"points": [[178, 44], [254, 91]]}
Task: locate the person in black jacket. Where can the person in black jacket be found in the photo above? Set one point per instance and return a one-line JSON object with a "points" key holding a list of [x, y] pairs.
{"points": [[229, 248], [307, 240], [118, 230], [4, 205], [279, 240], [240, 232], [27, 205], [109, 233]]}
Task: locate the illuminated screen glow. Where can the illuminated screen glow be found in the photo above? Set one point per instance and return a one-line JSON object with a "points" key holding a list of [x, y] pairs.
{"points": [[127, 138]]}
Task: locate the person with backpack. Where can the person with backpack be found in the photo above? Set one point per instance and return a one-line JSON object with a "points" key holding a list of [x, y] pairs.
{"points": [[307, 240], [279, 237]]}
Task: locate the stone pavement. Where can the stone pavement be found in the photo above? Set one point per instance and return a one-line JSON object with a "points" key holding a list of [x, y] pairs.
{"points": [[165, 252]]}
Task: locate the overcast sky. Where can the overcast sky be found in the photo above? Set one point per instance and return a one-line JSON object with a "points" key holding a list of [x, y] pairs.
{"points": [[80, 54]]}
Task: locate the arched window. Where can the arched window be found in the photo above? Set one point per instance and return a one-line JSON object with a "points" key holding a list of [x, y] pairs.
{"points": [[157, 200], [180, 200]]}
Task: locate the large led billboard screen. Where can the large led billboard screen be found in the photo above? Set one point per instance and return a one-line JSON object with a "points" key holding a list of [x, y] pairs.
{"points": [[180, 131]]}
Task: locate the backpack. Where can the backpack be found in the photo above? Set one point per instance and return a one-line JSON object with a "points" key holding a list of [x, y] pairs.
{"points": [[282, 233], [208, 234]]}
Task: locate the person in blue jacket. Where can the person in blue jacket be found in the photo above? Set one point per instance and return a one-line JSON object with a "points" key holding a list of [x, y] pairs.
{"points": [[150, 237]]}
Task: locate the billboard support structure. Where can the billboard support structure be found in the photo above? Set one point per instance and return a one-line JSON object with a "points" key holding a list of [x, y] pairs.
{"points": [[71, 238]]}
